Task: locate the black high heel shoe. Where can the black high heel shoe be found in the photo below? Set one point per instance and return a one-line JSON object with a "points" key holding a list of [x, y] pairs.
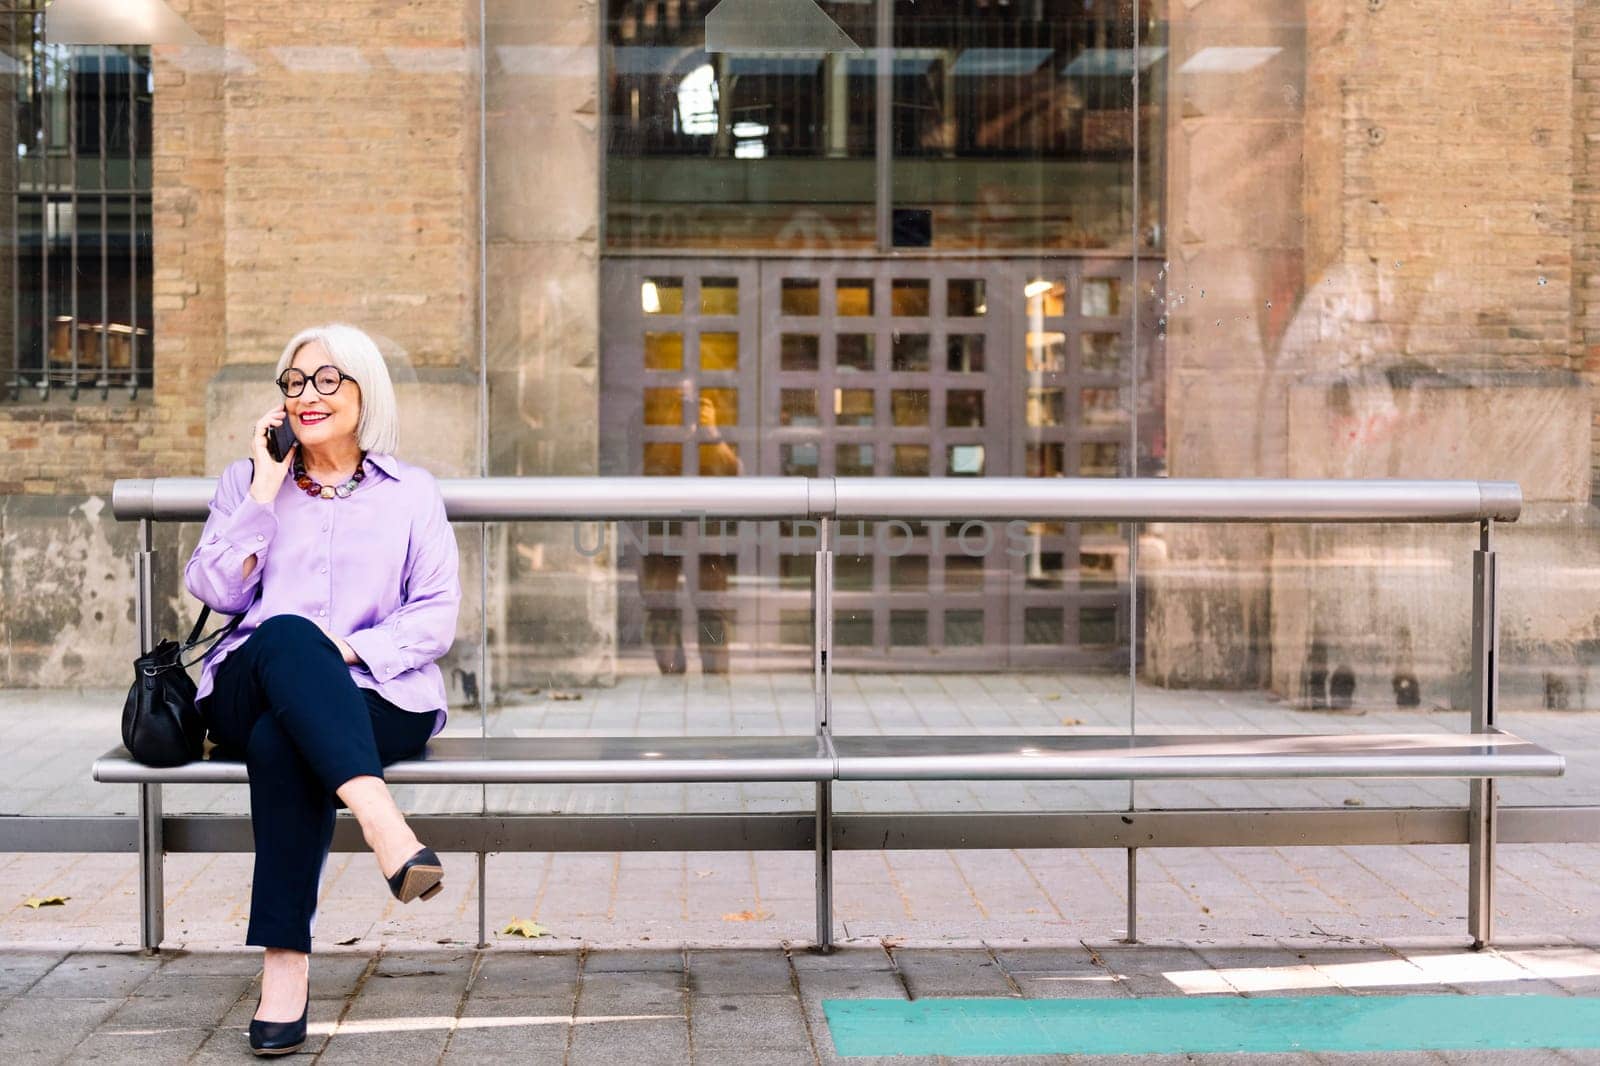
{"points": [[279, 1038], [422, 876]]}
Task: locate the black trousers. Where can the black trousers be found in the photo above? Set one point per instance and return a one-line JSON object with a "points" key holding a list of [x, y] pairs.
{"points": [[284, 701]]}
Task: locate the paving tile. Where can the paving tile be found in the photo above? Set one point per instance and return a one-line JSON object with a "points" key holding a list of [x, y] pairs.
{"points": [[92, 975], [746, 971], [661, 960], [932, 972], [631, 1040], [44, 1030], [733, 1022]]}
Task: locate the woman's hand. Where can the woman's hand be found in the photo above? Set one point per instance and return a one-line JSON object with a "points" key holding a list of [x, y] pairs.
{"points": [[349, 653], [269, 473]]}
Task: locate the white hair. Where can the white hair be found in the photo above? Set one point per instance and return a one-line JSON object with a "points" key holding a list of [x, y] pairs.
{"points": [[356, 354]]}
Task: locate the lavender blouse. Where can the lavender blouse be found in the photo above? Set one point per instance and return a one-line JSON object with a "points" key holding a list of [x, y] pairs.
{"points": [[378, 568]]}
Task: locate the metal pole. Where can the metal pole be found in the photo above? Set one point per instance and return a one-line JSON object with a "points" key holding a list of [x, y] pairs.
{"points": [[822, 637], [1482, 802], [151, 852], [105, 241], [483, 871], [72, 193], [133, 226], [883, 129]]}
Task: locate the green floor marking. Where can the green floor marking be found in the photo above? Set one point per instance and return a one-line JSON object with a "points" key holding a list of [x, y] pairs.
{"points": [[1172, 1025]]}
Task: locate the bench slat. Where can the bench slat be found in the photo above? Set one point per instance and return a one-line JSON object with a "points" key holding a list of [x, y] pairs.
{"points": [[1118, 757], [1084, 757]]}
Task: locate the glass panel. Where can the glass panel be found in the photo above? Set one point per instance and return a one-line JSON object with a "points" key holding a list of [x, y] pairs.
{"points": [[719, 407], [965, 353], [964, 460], [1099, 459], [852, 460], [799, 352], [1045, 569], [908, 573], [798, 407], [909, 352], [663, 351], [661, 296], [852, 573], [910, 460], [908, 628], [852, 628], [964, 407], [1047, 353], [719, 296], [908, 298], [663, 459], [852, 407], [719, 460], [1044, 625], [855, 297], [802, 297], [663, 407], [1046, 459], [854, 351], [1102, 297], [964, 298], [1102, 407], [719, 351], [910, 406], [963, 573], [798, 460], [963, 628], [1102, 353], [1047, 407], [1046, 298]]}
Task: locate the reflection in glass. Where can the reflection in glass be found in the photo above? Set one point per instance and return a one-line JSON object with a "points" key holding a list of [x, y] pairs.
{"points": [[663, 407], [908, 573], [663, 459], [1101, 297], [964, 460], [853, 407], [719, 460], [1046, 353], [1046, 297], [724, 406], [1098, 567], [908, 298], [719, 296], [801, 297], [965, 353], [1043, 625], [964, 407], [963, 628], [852, 628], [798, 460], [909, 352], [910, 460], [908, 628], [1046, 569], [854, 297], [798, 352], [852, 460], [964, 298], [1100, 407], [1047, 407], [717, 572], [1099, 458], [1046, 459], [1097, 625], [798, 407], [661, 296], [719, 351], [663, 351], [853, 351], [963, 572], [910, 406], [1102, 353], [852, 573]]}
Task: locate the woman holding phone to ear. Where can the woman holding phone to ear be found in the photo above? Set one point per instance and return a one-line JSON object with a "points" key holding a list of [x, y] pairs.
{"points": [[343, 563]]}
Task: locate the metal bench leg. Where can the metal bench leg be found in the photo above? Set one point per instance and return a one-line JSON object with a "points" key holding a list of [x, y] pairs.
{"points": [[1132, 936], [152, 862], [1482, 820], [825, 866]]}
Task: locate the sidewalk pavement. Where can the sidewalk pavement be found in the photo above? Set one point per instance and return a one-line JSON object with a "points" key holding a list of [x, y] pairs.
{"points": [[673, 957]]}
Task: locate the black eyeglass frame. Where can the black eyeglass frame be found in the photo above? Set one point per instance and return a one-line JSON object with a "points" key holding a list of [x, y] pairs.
{"points": [[283, 386]]}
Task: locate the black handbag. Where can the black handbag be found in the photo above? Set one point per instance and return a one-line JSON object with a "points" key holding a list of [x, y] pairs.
{"points": [[160, 724]]}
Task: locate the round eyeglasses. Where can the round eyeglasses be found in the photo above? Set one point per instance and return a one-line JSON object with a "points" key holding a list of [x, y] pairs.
{"points": [[327, 379]]}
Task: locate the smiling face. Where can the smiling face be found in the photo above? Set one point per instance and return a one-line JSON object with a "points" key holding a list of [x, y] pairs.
{"points": [[319, 420]]}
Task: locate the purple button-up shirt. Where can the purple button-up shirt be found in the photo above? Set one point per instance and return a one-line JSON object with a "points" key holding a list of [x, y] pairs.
{"points": [[378, 568]]}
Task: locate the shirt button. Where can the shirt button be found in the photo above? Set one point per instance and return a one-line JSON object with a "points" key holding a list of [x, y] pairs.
{"points": [[324, 570], [324, 527], [261, 536], [321, 611]]}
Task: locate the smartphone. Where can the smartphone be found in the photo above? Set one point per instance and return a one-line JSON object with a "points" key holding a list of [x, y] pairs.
{"points": [[280, 439]]}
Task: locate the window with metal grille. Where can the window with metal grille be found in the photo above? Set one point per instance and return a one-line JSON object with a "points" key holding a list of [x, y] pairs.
{"points": [[78, 296]]}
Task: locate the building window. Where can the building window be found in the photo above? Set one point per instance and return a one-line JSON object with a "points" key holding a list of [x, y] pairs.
{"points": [[79, 310]]}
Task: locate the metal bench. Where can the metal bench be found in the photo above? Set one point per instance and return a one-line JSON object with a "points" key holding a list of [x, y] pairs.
{"points": [[823, 758]]}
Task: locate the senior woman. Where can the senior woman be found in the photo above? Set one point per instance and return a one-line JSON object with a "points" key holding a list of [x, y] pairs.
{"points": [[344, 565]]}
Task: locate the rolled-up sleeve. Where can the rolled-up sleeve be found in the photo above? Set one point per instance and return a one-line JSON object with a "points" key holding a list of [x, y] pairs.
{"points": [[423, 627], [237, 528]]}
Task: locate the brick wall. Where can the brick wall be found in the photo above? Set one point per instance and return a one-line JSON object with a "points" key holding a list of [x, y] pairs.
{"points": [[1586, 212]]}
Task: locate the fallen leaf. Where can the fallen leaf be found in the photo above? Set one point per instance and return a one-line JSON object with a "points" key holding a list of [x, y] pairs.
{"points": [[1353, 802], [348, 941], [747, 916], [1072, 721], [47, 901], [558, 694], [524, 927], [1051, 696], [702, 873]]}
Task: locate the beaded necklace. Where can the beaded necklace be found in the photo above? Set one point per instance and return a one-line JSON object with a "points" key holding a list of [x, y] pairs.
{"points": [[312, 487]]}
